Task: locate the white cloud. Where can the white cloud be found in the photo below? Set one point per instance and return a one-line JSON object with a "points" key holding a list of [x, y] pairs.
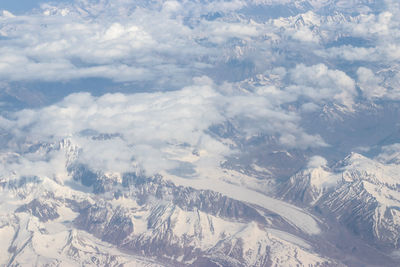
{"points": [[119, 40], [304, 34], [389, 154], [301, 140], [74, 45], [318, 83], [155, 130], [163, 42], [370, 84], [170, 42], [350, 53], [317, 161]]}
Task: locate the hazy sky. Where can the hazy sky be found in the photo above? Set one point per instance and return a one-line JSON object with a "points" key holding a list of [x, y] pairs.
{"points": [[22, 6]]}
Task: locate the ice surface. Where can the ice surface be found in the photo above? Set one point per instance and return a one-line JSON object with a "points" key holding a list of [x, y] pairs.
{"points": [[292, 214]]}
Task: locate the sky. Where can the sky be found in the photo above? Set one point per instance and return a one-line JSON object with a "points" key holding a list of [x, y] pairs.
{"points": [[19, 6], [23, 6]]}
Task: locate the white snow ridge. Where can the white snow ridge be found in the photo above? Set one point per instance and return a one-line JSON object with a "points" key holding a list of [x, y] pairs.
{"points": [[218, 133]]}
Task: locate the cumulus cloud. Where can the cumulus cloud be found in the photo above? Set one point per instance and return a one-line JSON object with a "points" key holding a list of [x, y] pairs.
{"points": [[320, 83], [369, 38], [156, 131], [389, 154], [163, 42], [350, 53], [170, 42], [317, 161], [370, 84], [145, 128], [68, 43], [118, 40]]}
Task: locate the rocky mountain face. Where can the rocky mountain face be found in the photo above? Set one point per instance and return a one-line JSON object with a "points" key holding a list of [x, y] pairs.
{"points": [[111, 219], [358, 192], [87, 219], [200, 133]]}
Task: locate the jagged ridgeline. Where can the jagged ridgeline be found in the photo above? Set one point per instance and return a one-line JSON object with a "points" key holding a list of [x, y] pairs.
{"points": [[200, 133]]}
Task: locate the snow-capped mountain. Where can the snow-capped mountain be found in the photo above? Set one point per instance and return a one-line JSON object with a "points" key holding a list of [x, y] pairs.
{"points": [[200, 133], [360, 193], [104, 218], [87, 218]]}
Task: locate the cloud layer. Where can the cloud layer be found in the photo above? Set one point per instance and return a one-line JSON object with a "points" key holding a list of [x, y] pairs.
{"points": [[258, 71], [167, 43], [155, 131], [170, 42]]}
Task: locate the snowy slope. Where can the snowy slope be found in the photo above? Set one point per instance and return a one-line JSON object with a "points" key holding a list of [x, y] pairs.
{"points": [[361, 193], [192, 132], [69, 219]]}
